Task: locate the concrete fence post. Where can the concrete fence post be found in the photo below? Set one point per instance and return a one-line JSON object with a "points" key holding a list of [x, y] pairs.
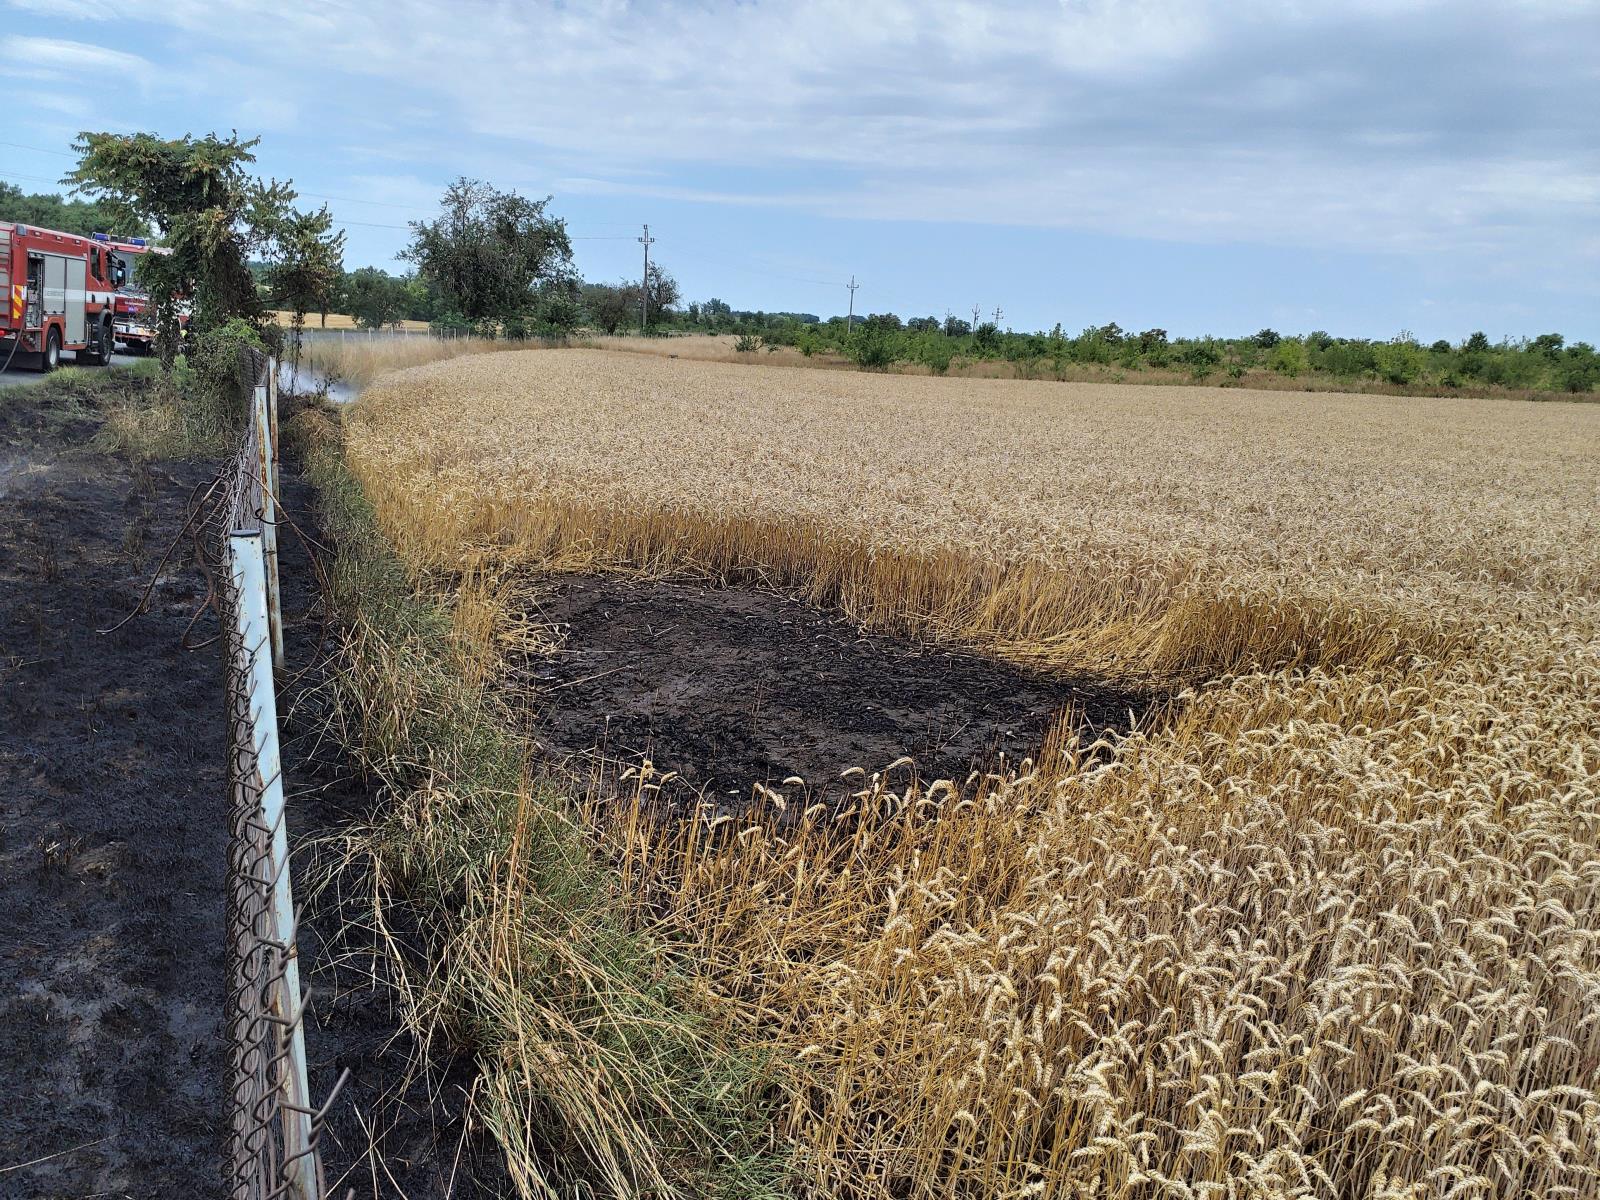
{"points": [[266, 473], [248, 569]]}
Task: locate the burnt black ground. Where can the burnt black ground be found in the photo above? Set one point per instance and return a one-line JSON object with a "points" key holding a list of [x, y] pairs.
{"points": [[111, 801], [112, 852], [733, 686]]}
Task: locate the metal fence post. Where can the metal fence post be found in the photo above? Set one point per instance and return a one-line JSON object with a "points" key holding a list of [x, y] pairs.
{"points": [[248, 573], [266, 471]]}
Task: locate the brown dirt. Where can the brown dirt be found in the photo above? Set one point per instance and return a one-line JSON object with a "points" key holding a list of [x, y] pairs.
{"points": [[730, 687]]}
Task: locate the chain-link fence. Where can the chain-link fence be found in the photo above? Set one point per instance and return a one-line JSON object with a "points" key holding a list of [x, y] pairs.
{"points": [[272, 1145]]}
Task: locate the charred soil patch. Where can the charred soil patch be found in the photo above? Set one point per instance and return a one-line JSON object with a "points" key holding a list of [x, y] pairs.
{"points": [[113, 846], [730, 687]]}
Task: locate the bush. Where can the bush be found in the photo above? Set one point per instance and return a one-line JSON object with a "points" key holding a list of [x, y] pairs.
{"points": [[451, 323], [1289, 358], [933, 350], [1398, 362], [223, 362], [872, 350], [747, 343], [1580, 369], [1201, 358]]}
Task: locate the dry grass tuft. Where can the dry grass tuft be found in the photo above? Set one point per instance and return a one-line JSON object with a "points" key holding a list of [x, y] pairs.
{"points": [[1332, 931]]}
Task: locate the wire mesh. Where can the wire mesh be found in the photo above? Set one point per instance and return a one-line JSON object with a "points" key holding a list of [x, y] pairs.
{"points": [[272, 1131]]}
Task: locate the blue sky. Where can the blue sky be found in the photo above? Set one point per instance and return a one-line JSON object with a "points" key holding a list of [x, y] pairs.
{"points": [[1361, 167]]}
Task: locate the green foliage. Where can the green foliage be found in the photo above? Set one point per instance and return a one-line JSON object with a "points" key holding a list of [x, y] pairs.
{"points": [[1289, 357], [210, 213], [606, 305], [1201, 358], [746, 343], [451, 323], [872, 349], [1398, 361], [223, 361], [1266, 339], [68, 216], [310, 272], [374, 298], [934, 351], [1580, 368], [489, 252]]}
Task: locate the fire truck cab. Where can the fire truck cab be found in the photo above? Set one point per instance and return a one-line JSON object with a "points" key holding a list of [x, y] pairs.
{"points": [[59, 297], [133, 317]]}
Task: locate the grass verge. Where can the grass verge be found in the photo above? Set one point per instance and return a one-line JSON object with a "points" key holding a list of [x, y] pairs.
{"points": [[506, 940]]}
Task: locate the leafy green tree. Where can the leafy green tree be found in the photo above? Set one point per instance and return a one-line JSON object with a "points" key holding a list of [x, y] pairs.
{"points": [[1580, 368], [560, 310], [1478, 343], [489, 251], [1266, 339], [606, 305], [1548, 344], [955, 327], [375, 298], [309, 274], [661, 295], [208, 210]]}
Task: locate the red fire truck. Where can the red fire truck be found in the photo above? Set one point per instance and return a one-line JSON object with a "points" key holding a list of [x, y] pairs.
{"points": [[133, 317], [59, 296]]}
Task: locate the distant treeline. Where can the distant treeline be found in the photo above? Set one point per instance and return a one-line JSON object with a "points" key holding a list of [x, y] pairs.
{"points": [[1546, 363], [69, 216], [884, 341]]}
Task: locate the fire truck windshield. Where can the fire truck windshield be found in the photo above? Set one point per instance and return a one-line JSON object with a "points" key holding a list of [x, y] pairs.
{"points": [[124, 271]]}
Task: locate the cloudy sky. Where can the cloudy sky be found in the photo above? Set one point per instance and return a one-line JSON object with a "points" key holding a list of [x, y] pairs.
{"points": [[1362, 167]]}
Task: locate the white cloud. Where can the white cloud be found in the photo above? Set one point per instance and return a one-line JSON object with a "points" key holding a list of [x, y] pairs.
{"points": [[57, 59], [1417, 125]]}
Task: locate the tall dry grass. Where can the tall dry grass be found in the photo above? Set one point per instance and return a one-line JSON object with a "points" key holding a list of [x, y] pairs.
{"points": [[359, 360], [1334, 930]]}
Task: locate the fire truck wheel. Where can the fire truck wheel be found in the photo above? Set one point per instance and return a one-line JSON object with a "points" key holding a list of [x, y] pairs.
{"points": [[51, 358], [103, 344]]}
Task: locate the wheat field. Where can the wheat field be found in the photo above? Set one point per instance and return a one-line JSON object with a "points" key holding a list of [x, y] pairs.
{"points": [[1331, 929]]}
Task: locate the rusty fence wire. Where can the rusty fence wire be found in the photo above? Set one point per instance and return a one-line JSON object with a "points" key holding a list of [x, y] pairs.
{"points": [[273, 1126]]}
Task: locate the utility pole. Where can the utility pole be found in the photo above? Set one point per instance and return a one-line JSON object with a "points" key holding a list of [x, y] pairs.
{"points": [[850, 320], [644, 285], [998, 313], [974, 318]]}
